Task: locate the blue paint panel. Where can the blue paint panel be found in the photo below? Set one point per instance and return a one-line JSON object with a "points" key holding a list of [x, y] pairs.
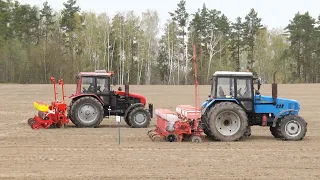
{"points": [[263, 105]]}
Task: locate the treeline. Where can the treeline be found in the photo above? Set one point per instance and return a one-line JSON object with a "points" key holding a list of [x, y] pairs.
{"points": [[38, 42]]}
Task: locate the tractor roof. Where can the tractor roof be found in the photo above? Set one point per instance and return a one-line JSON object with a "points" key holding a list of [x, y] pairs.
{"points": [[233, 74], [97, 73]]}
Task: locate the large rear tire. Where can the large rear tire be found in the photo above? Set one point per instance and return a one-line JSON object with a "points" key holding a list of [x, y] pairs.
{"points": [[227, 121], [206, 128], [139, 117], [292, 128], [247, 133], [86, 112], [69, 112]]}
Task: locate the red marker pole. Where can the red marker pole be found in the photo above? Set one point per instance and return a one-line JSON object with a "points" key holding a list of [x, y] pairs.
{"points": [[196, 85]]}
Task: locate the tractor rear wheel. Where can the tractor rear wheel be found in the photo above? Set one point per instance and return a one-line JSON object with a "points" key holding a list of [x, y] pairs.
{"points": [[139, 117], [69, 112], [86, 112], [292, 127], [247, 133], [206, 128], [227, 121]]}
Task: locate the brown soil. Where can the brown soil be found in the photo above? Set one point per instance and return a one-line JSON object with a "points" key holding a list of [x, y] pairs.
{"points": [[73, 153]]}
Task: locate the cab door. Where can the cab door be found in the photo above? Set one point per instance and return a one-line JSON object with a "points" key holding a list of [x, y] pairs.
{"points": [[244, 93], [103, 89]]}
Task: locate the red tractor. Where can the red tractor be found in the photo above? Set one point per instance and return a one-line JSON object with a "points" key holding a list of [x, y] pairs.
{"points": [[94, 99]]}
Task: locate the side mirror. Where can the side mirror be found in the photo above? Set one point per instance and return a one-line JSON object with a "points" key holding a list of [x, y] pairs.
{"points": [[114, 81], [259, 84]]}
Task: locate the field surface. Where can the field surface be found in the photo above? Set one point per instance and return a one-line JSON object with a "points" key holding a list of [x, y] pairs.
{"points": [[73, 153]]}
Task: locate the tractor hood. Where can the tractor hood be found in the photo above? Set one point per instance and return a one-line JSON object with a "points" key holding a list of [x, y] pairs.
{"points": [[281, 103], [134, 95]]}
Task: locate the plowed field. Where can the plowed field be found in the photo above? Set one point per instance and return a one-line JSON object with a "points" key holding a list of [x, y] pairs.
{"points": [[73, 153]]}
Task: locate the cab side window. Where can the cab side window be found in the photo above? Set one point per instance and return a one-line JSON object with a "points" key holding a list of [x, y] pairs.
{"points": [[103, 85], [225, 87], [244, 88]]}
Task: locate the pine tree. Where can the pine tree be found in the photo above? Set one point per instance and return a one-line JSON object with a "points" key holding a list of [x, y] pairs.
{"points": [[5, 19], [69, 23], [236, 42], [252, 25], [69, 12], [180, 16], [301, 32], [46, 18]]}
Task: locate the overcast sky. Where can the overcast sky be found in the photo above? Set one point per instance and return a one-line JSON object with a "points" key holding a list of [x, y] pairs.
{"points": [[274, 13]]}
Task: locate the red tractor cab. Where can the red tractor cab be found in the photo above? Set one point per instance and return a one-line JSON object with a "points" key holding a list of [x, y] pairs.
{"points": [[95, 99]]}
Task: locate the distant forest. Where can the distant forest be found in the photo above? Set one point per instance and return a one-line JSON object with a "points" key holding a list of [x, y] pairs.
{"points": [[39, 42]]}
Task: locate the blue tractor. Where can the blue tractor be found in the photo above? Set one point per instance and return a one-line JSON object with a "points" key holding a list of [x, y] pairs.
{"points": [[234, 105]]}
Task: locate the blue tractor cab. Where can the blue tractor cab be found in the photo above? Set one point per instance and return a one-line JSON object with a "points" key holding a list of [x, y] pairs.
{"points": [[234, 105]]}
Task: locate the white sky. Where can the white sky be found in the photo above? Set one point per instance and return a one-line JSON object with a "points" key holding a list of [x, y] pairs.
{"points": [[274, 13]]}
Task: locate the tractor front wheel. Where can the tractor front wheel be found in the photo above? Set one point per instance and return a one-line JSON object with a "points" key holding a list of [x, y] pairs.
{"points": [[292, 128], [86, 112], [275, 130], [127, 121], [139, 118], [227, 121]]}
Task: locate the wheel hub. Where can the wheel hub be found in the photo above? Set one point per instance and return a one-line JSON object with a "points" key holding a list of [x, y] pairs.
{"points": [[228, 123], [293, 128], [171, 138], [87, 113], [196, 139], [140, 118]]}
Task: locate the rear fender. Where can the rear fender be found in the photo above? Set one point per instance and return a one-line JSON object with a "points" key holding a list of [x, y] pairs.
{"points": [[214, 101], [132, 107], [76, 97], [282, 113]]}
